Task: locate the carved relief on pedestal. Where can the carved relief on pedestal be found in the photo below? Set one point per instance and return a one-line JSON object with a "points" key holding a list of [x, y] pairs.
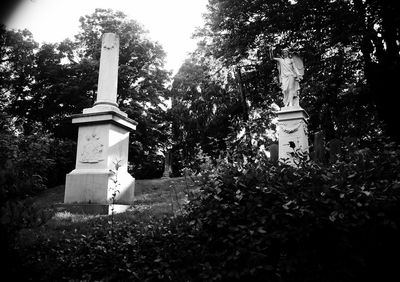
{"points": [[293, 132], [92, 149], [294, 128]]}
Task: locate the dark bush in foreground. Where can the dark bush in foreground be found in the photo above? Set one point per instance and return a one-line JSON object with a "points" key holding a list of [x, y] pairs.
{"points": [[253, 221], [29, 164], [280, 223]]}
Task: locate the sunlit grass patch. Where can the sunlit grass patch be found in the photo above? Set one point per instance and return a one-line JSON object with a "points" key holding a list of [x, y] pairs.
{"points": [[65, 216], [154, 199]]}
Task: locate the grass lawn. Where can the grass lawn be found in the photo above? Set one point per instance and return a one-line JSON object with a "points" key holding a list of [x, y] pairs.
{"points": [[60, 232], [154, 199]]}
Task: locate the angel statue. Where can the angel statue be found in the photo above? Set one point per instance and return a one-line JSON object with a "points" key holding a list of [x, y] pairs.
{"points": [[291, 71]]}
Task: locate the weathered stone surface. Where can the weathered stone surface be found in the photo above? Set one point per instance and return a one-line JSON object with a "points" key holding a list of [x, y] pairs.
{"points": [[292, 124], [108, 72]]}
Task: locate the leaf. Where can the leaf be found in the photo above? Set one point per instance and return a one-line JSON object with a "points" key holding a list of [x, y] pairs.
{"points": [[332, 216], [286, 206], [352, 175], [261, 230]]}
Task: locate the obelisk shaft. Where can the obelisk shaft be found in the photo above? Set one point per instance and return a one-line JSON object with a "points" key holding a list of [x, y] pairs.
{"points": [[108, 72]]}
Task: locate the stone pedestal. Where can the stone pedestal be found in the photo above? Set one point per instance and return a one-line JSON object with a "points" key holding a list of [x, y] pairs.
{"points": [[292, 122], [103, 141]]}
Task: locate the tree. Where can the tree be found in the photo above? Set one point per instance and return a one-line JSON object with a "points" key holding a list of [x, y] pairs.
{"points": [[201, 112], [39, 90], [44, 85], [337, 89], [141, 82], [378, 23], [16, 66]]}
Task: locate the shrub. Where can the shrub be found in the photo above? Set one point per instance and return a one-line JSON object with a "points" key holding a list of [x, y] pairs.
{"points": [[308, 223], [147, 166], [25, 165], [253, 221], [63, 152]]}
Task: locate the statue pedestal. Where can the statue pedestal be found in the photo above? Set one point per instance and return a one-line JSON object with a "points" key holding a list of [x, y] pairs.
{"points": [[103, 141], [292, 122]]}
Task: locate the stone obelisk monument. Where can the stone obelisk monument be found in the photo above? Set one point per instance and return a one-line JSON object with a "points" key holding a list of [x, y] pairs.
{"points": [[103, 139]]}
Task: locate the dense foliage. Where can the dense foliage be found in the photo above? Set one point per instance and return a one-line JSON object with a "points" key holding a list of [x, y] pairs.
{"points": [[313, 223], [28, 165], [230, 80], [350, 49], [253, 221], [201, 114], [43, 85], [211, 104]]}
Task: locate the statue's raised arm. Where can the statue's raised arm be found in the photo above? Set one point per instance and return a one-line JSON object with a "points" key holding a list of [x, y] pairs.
{"points": [[291, 71]]}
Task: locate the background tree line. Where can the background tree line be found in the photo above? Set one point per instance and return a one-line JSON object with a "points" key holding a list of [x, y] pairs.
{"points": [[351, 53], [226, 91], [252, 218], [43, 85]]}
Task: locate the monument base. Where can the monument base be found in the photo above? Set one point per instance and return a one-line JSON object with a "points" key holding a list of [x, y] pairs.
{"points": [[101, 108], [102, 150], [98, 187], [292, 122], [92, 209]]}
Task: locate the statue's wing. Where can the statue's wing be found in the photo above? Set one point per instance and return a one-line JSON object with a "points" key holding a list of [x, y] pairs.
{"points": [[298, 63]]}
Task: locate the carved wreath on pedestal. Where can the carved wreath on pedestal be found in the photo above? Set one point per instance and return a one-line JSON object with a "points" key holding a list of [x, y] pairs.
{"points": [[293, 129], [92, 150]]}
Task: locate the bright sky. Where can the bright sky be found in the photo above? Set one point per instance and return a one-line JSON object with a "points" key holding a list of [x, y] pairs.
{"points": [[170, 22]]}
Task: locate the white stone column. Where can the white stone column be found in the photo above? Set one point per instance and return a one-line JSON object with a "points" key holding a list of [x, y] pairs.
{"points": [[108, 72], [106, 99], [292, 127]]}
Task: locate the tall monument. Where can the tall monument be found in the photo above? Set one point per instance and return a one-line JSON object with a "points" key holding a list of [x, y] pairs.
{"points": [[101, 166], [292, 119]]}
